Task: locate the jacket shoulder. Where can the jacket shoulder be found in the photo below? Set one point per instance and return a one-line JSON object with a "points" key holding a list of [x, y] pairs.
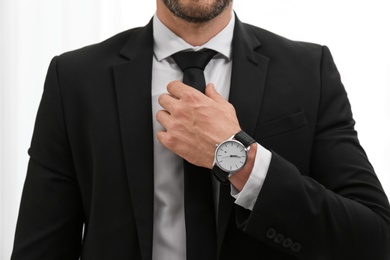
{"points": [[110, 46], [105, 52], [274, 44]]}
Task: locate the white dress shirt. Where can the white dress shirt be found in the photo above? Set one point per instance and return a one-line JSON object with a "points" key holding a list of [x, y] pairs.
{"points": [[169, 238]]}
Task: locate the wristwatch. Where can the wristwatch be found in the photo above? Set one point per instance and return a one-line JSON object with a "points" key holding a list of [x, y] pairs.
{"points": [[231, 155]]}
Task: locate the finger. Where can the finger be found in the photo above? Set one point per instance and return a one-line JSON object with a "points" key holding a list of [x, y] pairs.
{"points": [[166, 101], [163, 118], [166, 139], [176, 88], [162, 137], [212, 93]]}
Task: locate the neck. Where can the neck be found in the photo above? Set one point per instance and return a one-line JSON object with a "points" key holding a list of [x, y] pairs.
{"points": [[195, 34]]}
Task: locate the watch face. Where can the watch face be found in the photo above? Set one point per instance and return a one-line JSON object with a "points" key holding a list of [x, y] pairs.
{"points": [[231, 155]]}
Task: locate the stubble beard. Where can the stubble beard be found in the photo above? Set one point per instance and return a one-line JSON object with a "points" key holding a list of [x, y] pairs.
{"points": [[195, 12]]}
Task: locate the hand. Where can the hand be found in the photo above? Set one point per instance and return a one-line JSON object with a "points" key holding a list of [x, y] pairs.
{"points": [[195, 122]]}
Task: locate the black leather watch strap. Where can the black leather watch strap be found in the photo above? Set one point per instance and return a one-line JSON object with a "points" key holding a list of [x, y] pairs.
{"points": [[220, 175], [244, 138]]}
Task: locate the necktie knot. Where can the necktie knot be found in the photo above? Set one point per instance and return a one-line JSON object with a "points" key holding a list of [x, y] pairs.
{"points": [[193, 64], [193, 59]]}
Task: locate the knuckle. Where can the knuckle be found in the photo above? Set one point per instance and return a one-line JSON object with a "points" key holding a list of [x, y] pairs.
{"points": [[189, 96], [185, 95], [230, 106], [176, 126], [170, 141], [178, 112]]}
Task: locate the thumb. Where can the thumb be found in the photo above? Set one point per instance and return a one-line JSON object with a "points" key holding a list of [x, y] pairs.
{"points": [[212, 93]]}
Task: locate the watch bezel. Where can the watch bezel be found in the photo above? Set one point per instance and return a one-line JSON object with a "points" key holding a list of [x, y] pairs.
{"points": [[216, 152]]}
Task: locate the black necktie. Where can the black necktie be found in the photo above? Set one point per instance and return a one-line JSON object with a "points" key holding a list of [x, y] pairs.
{"points": [[198, 196], [192, 64]]}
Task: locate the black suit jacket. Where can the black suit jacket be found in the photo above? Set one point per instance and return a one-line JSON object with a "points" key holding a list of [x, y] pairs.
{"points": [[92, 157]]}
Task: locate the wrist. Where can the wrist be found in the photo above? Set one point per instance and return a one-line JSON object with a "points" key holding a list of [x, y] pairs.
{"points": [[239, 179]]}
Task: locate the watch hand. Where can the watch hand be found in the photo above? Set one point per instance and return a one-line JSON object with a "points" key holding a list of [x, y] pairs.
{"points": [[232, 156]]}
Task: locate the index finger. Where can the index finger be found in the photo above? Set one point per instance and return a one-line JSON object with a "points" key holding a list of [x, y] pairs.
{"points": [[176, 88]]}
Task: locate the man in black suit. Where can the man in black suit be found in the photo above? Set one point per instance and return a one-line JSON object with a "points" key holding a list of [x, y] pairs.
{"points": [[105, 178]]}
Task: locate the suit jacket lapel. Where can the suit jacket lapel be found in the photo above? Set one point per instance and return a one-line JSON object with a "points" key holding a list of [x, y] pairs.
{"points": [[247, 85], [133, 86]]}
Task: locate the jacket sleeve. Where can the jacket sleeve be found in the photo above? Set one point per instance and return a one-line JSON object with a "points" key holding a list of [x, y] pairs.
{"points": [[50, 219], [339, 210]]}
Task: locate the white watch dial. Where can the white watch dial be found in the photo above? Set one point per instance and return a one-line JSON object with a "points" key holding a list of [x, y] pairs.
{"points": [[231, 155]]}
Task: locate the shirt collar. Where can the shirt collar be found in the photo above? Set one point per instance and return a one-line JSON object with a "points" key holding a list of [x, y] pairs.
{"points": [[167, 42]]}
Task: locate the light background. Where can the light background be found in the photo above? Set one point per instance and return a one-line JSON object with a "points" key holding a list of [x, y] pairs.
{"points": [[32, 32]]}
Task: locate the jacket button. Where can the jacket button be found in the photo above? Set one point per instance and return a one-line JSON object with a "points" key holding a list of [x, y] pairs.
{"points": [[278, 238], [296, 247], [287, 243], [271, 233]]}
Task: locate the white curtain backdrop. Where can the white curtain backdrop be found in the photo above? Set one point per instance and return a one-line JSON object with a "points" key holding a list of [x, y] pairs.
{"points": [[32, 32]]}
